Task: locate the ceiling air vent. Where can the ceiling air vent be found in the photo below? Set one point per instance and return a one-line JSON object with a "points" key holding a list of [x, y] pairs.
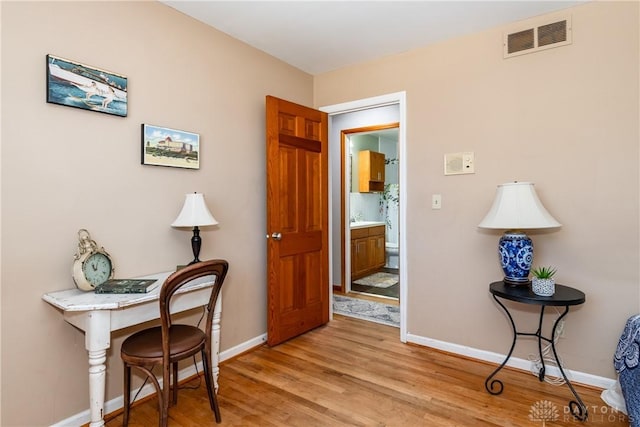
{"points": [[529, 38]]}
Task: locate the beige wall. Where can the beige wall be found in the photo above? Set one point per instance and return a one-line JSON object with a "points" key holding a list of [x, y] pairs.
{"points": [[64, 169], [566, 119]]}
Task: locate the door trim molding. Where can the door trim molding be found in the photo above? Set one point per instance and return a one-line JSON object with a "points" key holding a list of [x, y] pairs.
{"points": [[373, 102]]}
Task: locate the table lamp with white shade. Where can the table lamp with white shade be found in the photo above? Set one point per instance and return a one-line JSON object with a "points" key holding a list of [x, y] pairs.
{"points": [[517, 208], [194, 214]]}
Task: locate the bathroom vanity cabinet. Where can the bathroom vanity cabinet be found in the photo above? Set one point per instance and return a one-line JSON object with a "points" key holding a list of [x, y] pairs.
{"points": [[367, 250], [371, 174]]}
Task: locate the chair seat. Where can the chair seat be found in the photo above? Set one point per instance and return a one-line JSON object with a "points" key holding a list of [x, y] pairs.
{"points": [[147, 344]]}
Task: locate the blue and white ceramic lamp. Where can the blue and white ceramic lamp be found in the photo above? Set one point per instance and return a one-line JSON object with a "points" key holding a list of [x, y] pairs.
{"points": [[517, 208]]}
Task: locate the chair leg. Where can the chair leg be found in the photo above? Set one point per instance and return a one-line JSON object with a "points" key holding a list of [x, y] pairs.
{"points": [[174, 401], [208, 376], [163, 403], [162, 399], [166, 388], [127, 394]]}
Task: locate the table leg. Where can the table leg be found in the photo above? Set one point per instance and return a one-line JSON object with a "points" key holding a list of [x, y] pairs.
{"points": [[215, 342], [97, 341], [577, 407], [540, 338], [495, 387]]}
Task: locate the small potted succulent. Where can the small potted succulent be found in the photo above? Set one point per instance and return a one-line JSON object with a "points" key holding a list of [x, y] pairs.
{"points": [[543, 283]]}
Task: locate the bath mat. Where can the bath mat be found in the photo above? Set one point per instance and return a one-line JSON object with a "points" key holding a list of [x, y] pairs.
{"points": [[378, 280], [367, 310]]}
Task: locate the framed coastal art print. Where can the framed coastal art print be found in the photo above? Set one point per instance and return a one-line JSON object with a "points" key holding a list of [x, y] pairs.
{"points": [[77, 85], [170, 147]]}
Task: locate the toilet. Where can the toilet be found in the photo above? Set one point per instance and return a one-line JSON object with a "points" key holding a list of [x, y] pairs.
{"points": [[392, 255]]}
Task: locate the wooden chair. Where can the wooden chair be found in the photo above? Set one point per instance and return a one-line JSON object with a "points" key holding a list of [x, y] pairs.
{"points": [[169, 343]]}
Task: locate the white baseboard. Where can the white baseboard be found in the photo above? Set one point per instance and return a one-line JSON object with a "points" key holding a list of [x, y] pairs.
{"points": [[117, 403], [241, 348], [515, 362]]}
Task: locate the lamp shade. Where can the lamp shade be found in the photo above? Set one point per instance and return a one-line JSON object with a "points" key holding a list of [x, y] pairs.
{"points": [[194, 212], [517, 207]]}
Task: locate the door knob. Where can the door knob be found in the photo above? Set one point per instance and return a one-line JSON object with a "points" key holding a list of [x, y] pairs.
{"points": [[276, 236]]}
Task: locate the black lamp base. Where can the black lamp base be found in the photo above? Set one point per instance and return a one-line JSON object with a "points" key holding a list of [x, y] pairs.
{"points": [[196, 242]]}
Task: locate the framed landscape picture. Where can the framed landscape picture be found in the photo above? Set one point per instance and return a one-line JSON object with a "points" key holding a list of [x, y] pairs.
{"points": [[77, 85], [170, 147]]}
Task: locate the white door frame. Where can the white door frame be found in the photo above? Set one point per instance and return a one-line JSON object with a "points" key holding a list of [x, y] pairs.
{"points": [[380, 101]]}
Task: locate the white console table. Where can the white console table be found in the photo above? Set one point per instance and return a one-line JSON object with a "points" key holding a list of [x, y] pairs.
{"points": [[100, 314]]}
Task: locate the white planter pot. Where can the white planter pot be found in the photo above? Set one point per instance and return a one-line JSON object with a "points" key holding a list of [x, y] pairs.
{"points": [[543, 287]]}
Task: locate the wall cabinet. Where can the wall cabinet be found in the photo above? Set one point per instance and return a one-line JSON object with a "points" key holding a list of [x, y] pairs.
{"points": [[371, 174], [367, 250]]}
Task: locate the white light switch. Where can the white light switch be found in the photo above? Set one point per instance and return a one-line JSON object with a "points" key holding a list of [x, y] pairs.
{"points": [[436, 201]]}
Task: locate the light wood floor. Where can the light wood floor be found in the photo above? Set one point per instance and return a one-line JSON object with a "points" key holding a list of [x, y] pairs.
{"points": [[357, 373]]}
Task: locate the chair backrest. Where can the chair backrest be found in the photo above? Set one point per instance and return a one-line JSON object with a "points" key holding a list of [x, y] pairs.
{"points": [[216, 267]]}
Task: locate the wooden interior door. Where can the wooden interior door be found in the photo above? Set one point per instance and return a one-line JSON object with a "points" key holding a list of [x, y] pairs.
{"points": [[297, 220]]}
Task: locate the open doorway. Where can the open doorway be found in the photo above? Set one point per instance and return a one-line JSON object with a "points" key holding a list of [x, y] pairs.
{"points": [[370, 194], [376, 111]]}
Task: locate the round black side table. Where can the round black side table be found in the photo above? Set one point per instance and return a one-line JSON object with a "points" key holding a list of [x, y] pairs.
{"points": [[564, 296]]}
